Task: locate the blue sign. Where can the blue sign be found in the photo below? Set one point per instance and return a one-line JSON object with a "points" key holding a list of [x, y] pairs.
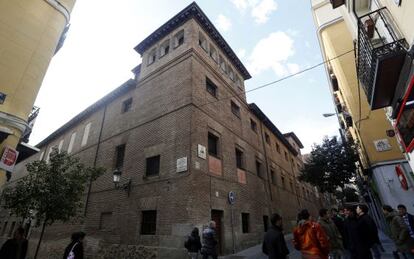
{"points": [[232, 197]]}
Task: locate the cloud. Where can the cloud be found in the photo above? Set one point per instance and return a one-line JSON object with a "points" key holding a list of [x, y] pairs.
{"points": [[293, 32], [273, 53], [241, 53], [262, 11], [223, 23]]}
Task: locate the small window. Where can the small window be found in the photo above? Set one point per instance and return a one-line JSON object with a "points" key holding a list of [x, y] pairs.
{"points": [[231, 74], [105, 222], [165, 48], [235, 109], [277, 147], [267, 138], [119, 156], [238, 82], [222, 63], [213, 144], [152, 56], [85, 135], [202, 41], [211, 87], [71, 142], [273, 176], [213, 53], [126, 105], [239, 158], [179, 38], [259, 169], [153, 166], [283, 182], [245, 222], [286, 156], [253, 125], [149, 222]]}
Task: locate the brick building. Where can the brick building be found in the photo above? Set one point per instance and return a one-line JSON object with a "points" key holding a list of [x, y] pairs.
{"points": [[185, 136]]}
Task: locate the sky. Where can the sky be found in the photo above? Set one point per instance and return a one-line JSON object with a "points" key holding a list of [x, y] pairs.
{"points": [[273, 39]]}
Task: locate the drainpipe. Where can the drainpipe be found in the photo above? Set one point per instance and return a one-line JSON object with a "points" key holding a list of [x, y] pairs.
{"points": [[267, 164]]}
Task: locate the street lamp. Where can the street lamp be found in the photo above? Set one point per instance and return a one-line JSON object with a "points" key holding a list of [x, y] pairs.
{"points": [[117, 179], [326, 115]]}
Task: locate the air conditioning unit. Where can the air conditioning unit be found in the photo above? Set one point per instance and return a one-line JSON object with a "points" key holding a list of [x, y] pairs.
{"points": [[337, 3]]}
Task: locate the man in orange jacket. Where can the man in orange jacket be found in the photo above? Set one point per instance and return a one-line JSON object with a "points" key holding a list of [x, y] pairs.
{"points": [[310, 238]]}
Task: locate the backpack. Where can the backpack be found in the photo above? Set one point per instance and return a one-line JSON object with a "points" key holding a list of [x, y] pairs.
{"points": [[71, 254]]}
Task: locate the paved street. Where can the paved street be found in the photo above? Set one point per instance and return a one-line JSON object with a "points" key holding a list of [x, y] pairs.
{"points": [[256, 251]]}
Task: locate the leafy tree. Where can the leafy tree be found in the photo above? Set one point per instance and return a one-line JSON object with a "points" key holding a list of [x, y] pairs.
{"points": [[51, 191], [348, 194], [330, 165]]}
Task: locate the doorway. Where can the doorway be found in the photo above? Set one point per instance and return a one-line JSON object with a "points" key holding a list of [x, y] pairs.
{"points": [[217, 216]]}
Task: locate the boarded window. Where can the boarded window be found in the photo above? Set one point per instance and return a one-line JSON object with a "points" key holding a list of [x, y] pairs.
{"points": [[149, 222]]}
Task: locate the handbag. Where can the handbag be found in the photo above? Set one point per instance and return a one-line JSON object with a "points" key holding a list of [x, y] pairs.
{"points": [[71, 254]]}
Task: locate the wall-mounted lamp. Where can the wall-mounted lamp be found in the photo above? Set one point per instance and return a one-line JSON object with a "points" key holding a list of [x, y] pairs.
{"points": [[117, 181]]}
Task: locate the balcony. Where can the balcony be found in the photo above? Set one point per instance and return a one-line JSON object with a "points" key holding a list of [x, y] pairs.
{"points": [[381, 55]]}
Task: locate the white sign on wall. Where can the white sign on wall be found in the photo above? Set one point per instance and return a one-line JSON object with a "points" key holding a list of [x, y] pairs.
{"points": [[202, 152], [8, 159], [181, 164], [382, 145]]}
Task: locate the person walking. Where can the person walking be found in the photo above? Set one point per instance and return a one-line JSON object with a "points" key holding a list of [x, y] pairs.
{"points": [[408, 219], [16, 247], [368, 234], [310, 238], [332, 232], [193, 244], [274, 244], [75, 249], [399, 232], [209, 247], [351, 234]]}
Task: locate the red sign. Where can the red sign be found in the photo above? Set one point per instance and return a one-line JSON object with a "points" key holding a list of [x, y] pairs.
{"points": [[8, 159]]}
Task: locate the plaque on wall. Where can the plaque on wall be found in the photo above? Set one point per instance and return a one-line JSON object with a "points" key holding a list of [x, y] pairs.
{"points": [[202, 152], [181, 164], [382, 145]]}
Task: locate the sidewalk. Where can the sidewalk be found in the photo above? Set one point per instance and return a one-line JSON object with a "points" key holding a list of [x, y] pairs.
{"points": [[255, 252]]}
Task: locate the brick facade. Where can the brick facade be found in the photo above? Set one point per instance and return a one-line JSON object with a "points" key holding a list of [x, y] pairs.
{"points": [[171, 115]]}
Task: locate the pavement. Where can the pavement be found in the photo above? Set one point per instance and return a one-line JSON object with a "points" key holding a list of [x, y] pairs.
{"points": [[255, 252]]}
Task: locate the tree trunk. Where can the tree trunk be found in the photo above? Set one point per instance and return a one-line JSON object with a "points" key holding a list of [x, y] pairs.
{"points": [[40, 238]]}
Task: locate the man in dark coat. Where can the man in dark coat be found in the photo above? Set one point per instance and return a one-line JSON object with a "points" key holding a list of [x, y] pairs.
{"points": [[209, 247], [368, 233], [75, 249], [15, 248], [351, 234], [408, 219], [274, 244]]}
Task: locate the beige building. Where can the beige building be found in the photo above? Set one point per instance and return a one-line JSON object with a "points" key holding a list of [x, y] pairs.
{"points": [[31, 32], [367, 43]]}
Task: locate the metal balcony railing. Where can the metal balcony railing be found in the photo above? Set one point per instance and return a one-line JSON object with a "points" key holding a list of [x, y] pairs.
{"points": [[381, 54]]}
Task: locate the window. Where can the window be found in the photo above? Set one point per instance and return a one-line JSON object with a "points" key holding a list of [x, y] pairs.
{"points": [[283, 182], [202, 41], [149, 222], [165, 48], [71, 142], [85, 134], [235, 109], [231, 74], [119, 156], [105, 222], [222, 63], [213, 53], [11, 229], [286, 156], [238, 82], [212, 144], [253, 125], [126, 105], [267, 138], [211, 87], [239, 158], [179, 38], [273, 176], [245, 222], [278, 147], [153, 166], [265, 222], [291, 186], [4, 228], [152, 56], [259, 169]]}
